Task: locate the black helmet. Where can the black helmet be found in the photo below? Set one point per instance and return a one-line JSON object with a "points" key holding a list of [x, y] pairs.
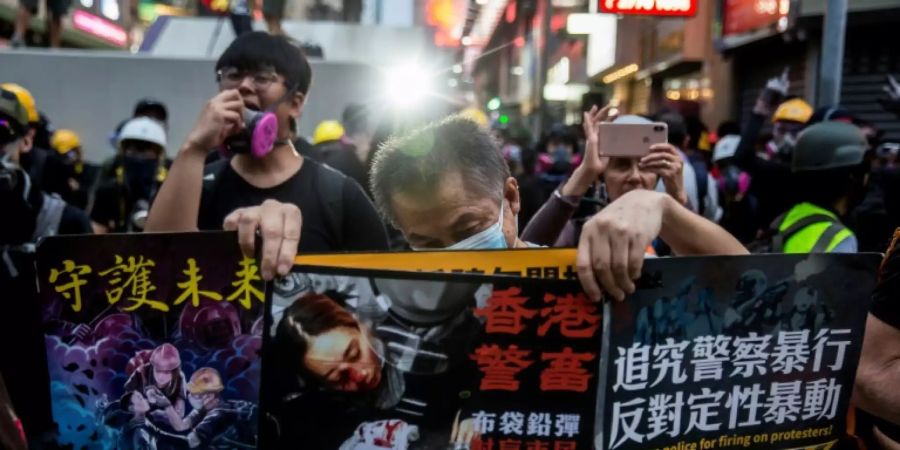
{"points": [[829, 145], [151, 107]]}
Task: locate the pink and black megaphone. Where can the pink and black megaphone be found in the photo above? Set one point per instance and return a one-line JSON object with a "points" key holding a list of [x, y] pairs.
{"points": [[258, 136]]}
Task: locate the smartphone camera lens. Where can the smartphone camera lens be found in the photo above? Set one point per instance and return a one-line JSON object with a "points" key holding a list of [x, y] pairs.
{"points": [[658, 128]]}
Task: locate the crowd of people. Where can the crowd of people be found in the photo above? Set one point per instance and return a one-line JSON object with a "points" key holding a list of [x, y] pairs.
{"points": [[790, 179]]}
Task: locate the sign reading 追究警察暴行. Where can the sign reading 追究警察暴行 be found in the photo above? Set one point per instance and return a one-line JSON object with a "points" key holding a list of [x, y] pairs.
{"points": [[650, 7]]}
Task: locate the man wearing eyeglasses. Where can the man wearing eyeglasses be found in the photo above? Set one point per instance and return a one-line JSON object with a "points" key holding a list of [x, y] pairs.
{"points": [[260, 73]]}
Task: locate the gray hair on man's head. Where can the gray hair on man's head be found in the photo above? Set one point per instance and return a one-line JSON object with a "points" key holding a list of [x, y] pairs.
{"points": [[417, 162]]}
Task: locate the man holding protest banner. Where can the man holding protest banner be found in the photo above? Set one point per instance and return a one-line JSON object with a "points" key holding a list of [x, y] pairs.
{"points": [[263, 82], [446, 186]]}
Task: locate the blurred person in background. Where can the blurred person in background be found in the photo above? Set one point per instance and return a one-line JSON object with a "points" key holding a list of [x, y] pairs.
{"points": [[702, 197], [733, 184], [773, 183], [34, 159], [30, 214], [327, 132], [263, 83], [558, 156], [56, 10], [154, 109], [349, 153], [121, 202], [874, 218], [886, 155], [66, 172], [829, 163], [43, 132], [521, 159], [273, 12]]}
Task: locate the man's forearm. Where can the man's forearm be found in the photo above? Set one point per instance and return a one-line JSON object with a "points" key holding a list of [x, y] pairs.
{"points": [[177, 204], [688, 233]]}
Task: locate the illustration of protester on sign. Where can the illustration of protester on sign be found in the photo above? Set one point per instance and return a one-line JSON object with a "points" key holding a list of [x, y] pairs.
{"points": [[152, 342], [406, 362]]}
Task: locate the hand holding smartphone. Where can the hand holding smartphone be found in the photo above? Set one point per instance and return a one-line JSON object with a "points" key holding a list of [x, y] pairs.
{"points": [[630, 140]]}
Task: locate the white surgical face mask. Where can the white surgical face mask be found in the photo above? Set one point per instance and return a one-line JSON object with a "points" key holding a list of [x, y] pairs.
{"points": [[490, 238]]}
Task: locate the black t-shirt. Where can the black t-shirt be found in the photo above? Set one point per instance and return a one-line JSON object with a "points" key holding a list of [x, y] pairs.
{"points": [[359, 227]]}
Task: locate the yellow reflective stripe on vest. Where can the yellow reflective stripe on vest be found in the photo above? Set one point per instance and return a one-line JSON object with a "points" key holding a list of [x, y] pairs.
{"points": [[804, 240]]}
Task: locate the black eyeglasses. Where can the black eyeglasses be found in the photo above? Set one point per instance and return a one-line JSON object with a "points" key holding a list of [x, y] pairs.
{"points": [[231, 77]]}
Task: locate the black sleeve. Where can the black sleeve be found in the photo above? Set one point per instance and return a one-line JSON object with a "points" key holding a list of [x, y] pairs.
{"points": [[886, 298], [362, 226], [74, 221], [104, 210], [745, 155]]}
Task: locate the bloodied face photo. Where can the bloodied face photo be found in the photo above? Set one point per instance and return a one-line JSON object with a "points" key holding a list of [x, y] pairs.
{"points": [[363, 360]]}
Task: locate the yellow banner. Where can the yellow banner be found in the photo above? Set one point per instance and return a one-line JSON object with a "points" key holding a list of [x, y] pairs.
{"points": [[557, 263]]}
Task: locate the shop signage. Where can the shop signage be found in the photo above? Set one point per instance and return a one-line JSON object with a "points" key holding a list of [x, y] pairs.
{"points": [[677, 8]]}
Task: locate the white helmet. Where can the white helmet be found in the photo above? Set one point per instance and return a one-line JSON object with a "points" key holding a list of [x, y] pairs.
{"points": [[143, 129], [726, 147]]}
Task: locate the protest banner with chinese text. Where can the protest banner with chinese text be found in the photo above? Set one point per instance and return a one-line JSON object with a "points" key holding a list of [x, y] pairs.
{"points": [[376, 359], [152, 340], [749, 352]]}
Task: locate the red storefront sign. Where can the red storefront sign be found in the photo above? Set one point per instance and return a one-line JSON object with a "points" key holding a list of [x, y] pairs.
{"points": [[672, 8], [744, 16]]}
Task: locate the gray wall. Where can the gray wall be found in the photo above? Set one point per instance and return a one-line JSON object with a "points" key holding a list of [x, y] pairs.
{"points": [[382, 46], [91, 92]]}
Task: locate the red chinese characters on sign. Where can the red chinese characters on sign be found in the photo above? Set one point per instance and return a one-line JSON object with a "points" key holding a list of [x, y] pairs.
{"points": [[505, 311], [501, 366], [576, 316], [682, 8], [566, 371]]}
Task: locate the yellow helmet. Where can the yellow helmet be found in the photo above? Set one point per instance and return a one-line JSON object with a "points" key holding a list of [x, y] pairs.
{"points": [[26, 99], [63, 141], [475, 115], [794, 110], [205, 380], [328, 130]]}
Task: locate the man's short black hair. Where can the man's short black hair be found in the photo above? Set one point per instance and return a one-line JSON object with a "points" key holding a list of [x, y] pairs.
{"points": [[677, 127], [258, 50], [418, 162]]}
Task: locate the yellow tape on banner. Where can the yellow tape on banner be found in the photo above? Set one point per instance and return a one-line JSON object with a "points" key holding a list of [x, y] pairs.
{"points": [[536, 263]]}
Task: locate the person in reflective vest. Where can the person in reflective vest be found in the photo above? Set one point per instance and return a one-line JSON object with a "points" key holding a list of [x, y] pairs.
{"points": [[829, 165]]}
